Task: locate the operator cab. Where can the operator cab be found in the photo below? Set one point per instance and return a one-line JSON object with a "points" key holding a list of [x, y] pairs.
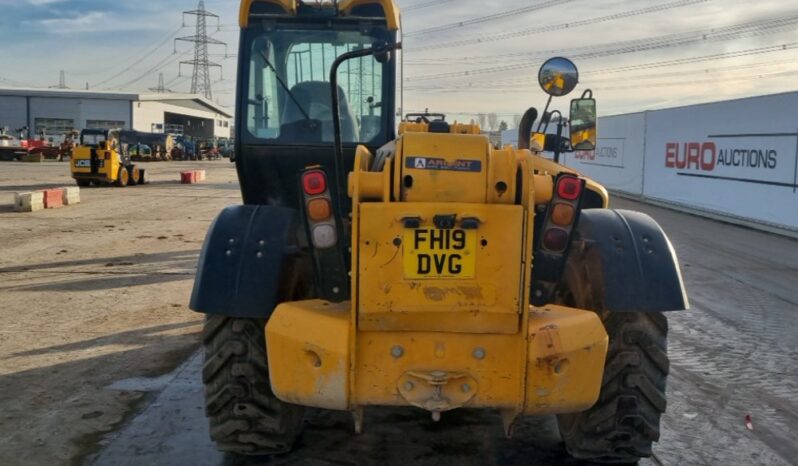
{"points": [[99, 138], [285, 122]]}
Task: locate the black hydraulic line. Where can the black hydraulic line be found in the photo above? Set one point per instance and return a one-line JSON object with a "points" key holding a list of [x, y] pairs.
{"points": [[525, 127]]}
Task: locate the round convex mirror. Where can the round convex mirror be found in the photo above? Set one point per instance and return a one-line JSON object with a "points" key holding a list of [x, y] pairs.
{"points": [[558, 76]]}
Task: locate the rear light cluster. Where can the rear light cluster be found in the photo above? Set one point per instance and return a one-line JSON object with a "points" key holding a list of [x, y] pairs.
{"points": [[318, 207], [562, 214]]}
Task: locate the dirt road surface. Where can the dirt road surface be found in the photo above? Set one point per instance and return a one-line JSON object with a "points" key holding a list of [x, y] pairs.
{"points": [[91, 294], [734, 354], [99, 365]]}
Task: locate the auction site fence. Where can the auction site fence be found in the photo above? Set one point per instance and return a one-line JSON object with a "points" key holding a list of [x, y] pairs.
{"points": [[736, 159]]}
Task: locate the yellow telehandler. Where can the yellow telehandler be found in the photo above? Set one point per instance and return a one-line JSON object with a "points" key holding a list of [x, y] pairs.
{"points": [[422, 268]]}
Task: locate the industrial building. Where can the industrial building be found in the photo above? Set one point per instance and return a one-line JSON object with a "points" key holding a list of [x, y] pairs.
{"points": [[58, 111]]}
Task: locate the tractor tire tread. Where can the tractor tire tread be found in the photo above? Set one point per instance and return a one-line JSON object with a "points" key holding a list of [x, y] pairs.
{"points": [[623, 424], [245, 416]]}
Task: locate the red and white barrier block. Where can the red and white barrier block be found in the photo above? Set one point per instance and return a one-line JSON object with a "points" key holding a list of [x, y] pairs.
{"points": [[46, 199], [192, 176]]}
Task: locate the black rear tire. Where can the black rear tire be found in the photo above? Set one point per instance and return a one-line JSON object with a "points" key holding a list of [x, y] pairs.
{"points": [[245, 416], [622, 426], [83, 183]]}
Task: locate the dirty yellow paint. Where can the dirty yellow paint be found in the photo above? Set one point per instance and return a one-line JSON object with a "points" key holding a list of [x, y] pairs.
{"points": [[393, 295], [309, 353], [442, 338]]}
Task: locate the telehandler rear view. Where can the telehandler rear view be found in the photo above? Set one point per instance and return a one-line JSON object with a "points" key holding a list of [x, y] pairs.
{"points": [[426, 269]]}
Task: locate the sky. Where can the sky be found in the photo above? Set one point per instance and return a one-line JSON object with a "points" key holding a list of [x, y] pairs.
{"points": [[462, 57]]}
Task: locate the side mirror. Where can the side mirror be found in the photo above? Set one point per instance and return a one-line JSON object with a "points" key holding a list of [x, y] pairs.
{"points": [[558, 76], [102, 145], [583, 124]]}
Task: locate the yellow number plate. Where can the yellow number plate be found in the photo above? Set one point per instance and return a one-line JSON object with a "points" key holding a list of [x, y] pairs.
{"points": [[431, 253]]}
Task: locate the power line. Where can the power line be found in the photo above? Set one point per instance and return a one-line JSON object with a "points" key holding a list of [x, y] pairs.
{"points": [[505, 85], [556, 27], [145, 56], [422, 5], [749, 29], [589, 52], [168, 60], [488, 18]]}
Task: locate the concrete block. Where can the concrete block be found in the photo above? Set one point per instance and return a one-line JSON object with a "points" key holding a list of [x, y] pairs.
{"points": [[71, 195], [201, 175], [53, 198], [29, 202]]}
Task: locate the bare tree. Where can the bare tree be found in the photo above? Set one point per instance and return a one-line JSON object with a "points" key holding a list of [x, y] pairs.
{"points": [[503, 126], [483, 119], [516, 121]]}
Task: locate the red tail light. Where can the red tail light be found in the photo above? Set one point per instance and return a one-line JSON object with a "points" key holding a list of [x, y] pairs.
{"points": [[569, 188], [314, 183], [555, 240]]}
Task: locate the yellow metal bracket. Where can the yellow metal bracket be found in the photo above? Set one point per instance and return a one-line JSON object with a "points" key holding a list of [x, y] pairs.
{"points": [[437, 391]]}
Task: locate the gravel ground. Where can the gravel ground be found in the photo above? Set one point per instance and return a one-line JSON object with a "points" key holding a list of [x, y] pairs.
{"points": [[734, 354], [99, 361], [94, 293]]}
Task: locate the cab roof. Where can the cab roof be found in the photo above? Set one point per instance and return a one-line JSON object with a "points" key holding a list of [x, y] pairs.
{"points": [[390, 11]]}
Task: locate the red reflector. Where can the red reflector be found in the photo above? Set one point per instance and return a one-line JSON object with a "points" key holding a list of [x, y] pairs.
{"points": [[314, 183], [107, 156], [569, 188], [555, 240]]}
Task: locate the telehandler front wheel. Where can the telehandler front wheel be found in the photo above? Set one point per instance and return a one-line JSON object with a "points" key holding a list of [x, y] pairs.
{"points": [[245, 416], [622, 426], [123, 178]]}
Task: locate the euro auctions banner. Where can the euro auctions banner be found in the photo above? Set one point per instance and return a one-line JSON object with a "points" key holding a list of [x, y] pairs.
{"points": [[617, 161], [738, 158]]}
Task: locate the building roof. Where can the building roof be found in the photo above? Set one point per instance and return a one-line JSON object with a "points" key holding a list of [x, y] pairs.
{"points": [[194, 101]]}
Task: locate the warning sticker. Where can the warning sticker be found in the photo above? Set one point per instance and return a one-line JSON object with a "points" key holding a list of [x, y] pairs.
{"points": [[432, 163]]}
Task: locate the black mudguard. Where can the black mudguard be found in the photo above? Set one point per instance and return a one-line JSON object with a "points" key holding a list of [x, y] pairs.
{"points": [[239, 271], [632, 259]]}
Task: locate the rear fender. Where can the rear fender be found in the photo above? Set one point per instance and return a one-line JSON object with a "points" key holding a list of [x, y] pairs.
{"points": [[239, 271], [631, 259]]}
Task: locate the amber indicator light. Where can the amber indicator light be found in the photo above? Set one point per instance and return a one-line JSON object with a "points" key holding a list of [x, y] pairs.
{"points": [[319, 209], [563, 215]]}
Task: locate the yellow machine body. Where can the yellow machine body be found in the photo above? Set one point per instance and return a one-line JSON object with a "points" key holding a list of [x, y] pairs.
{"points": [[97, 163], [442, 249], [345, 8]]}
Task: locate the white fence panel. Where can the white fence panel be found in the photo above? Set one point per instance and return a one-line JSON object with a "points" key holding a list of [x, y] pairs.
{"points": [[737, 158]]}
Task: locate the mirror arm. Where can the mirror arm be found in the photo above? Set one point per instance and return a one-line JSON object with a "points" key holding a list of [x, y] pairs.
{"points": [[546, 117], [560, 125], [380, 51], [588, 94]]}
